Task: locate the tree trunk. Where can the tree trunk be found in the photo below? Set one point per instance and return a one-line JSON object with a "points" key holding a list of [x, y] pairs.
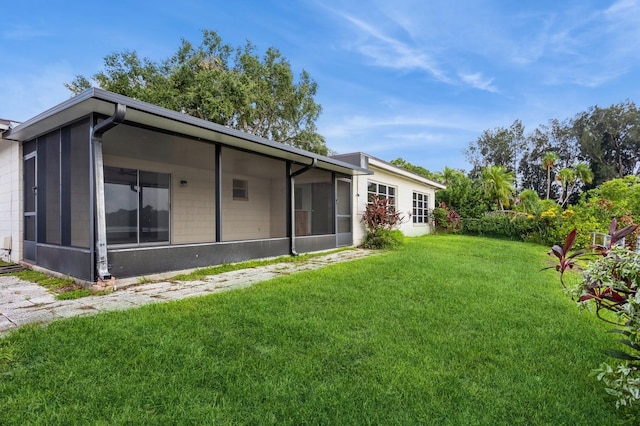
{"points": [[548, 181]]}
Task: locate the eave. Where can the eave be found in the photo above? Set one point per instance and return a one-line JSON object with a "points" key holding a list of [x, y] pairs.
{"points": [[100, 101]]}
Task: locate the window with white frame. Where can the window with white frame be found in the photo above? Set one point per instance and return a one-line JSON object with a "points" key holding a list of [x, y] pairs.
{"points": [[382, 191], [420, 208]]}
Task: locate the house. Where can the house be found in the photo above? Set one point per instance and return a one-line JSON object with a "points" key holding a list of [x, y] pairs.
{"points": [[103, 185], [412, 195], [10, 183]]}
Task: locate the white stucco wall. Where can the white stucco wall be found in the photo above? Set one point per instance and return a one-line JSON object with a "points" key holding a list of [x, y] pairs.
{"points": [[405, 186], [10, 200]]}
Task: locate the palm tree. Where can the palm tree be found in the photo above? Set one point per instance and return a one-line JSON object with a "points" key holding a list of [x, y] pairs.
{"points": [[584, 173], [565, 177], [571, 178], [549, 160], [498, 184]]}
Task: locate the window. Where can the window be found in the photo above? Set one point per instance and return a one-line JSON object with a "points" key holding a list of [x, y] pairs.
{"points": [[382, 191], [137, 206], [240, 190], [420, 208]]}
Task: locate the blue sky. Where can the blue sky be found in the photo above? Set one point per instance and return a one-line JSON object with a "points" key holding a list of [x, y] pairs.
{"points": [[409, 78]]}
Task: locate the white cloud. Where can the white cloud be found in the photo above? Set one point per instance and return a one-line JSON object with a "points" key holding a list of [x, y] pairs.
{"points": [[479, 82], [390, 52], [420, 125], [622, 8]]}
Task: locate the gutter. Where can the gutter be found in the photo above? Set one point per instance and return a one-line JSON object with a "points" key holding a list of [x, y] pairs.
{"points": [[292, 186], [100, 129]]}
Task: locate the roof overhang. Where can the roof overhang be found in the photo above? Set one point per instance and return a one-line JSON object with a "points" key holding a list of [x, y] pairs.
{"points": [[100, 101], [369, 161], [376, 162]]}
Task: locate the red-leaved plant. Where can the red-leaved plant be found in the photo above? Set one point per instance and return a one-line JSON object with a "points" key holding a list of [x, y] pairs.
{"points": [[380, 214], [380, 218], [611, 284]]}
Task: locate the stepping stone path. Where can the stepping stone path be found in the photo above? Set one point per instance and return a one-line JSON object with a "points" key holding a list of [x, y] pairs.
{"points": [[23, 302]]}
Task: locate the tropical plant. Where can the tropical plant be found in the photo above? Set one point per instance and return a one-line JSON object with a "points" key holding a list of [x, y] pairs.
{"points": [[565, 176], [498, 185], [610, 283], [571, 179], [528, 201], [380, 218], [446, 219]]}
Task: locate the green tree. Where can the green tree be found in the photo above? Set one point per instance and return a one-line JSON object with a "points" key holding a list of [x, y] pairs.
{"points": [[610, 140], [500, 146], [498, 185], [234, 87], [623, 195], [419, 170], [557, 137], [462, 194]]}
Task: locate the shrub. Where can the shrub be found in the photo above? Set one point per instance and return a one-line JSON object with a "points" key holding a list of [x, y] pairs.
{"points": [[380, 218], [502, 224], [446, 219], [610, 283], [383, 239]]}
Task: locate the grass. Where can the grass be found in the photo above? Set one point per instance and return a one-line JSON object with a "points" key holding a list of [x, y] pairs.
{"points": [[202, 273], [447, 330], [64, 288]]}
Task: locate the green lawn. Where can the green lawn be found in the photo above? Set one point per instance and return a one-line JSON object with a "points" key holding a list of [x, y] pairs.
{"points": [[446, 330]]}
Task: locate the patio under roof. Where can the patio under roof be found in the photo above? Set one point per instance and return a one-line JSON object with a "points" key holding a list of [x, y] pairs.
{"points": [[146, 114]]}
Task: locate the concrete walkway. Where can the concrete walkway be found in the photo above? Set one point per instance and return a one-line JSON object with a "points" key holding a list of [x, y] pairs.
{"points": [[23, 302]]}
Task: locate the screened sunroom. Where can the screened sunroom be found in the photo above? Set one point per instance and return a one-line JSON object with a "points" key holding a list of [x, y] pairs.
{"points": [[115, 186]]}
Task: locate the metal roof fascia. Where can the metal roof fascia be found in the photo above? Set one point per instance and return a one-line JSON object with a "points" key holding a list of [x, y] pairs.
{"points": [[276, 149], [406, 173]]}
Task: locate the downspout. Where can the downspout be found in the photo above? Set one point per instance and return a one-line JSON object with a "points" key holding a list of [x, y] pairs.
{"points": [[101, 220], [292, 185]]}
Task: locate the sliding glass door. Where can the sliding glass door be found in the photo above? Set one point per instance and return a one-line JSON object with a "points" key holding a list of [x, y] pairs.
{"points": [[137, 206]]}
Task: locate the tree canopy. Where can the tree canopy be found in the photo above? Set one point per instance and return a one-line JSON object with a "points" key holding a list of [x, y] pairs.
{"points": [[606, 140], [610, 139], [234, 87], [419, 170], [500, 146]]}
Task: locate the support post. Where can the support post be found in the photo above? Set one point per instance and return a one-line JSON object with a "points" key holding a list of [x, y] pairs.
{"points": [[292, 201], [218, 192]]}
